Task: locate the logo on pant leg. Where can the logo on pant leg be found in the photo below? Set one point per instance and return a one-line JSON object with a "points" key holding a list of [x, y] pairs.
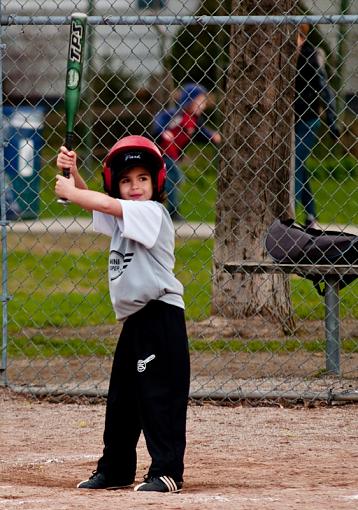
{"points": [[142, 363]]}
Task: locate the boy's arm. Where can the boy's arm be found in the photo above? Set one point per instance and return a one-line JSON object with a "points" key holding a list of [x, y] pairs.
{"points": [[76, 190], [68, 159], [161, 122], [208, 134], [87, 199]]}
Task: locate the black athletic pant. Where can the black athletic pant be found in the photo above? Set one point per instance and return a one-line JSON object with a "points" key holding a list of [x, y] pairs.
{"points": [[148, 390]]}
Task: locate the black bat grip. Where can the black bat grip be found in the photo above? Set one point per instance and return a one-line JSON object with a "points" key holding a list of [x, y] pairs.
{"points": [[66, 171], [68, 144]]}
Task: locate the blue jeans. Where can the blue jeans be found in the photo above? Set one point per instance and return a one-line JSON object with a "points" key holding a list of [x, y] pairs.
{"points": [[174, 177], [305, 140]]}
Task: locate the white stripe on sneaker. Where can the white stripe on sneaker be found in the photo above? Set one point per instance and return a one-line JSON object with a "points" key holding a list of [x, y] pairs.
{"points": [[169, 482], [159, 484], [137, 487]]}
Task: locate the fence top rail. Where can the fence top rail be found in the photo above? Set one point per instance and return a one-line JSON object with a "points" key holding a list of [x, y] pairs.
{"points": [[334, 19]]}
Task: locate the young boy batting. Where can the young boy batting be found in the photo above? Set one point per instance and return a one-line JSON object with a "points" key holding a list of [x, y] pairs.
{"points": [[149, 383]]}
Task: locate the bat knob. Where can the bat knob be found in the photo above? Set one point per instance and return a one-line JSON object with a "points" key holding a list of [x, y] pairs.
{"points": [[63, 201]]}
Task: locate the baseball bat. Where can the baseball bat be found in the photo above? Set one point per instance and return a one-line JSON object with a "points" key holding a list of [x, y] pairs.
{"points": [[75, 58]]}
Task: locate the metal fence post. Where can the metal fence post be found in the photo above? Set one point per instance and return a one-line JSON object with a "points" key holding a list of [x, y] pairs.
{"points": [[3, 223], [332, 325]]}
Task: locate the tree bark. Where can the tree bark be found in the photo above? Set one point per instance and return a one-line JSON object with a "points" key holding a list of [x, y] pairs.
{"points": [[254, 174]]}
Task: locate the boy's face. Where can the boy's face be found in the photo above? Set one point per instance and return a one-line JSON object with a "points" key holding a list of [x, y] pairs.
{"points": [[198, 105], [136, 184]]}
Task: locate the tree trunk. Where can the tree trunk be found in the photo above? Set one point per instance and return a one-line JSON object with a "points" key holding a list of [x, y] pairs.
{"points": [[254, 176]]}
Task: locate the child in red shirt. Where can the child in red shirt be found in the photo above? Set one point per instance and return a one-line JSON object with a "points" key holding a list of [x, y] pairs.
{"points": [[173, 129]]}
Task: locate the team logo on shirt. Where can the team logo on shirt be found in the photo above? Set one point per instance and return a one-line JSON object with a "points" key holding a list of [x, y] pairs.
{"points": [[117, 263]]}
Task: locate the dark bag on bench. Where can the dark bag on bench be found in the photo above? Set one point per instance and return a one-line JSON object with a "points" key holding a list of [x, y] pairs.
{"points": [[289, 243]]}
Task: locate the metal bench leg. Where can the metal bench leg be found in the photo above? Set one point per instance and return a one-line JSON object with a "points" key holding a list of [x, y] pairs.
{"points": [[332, 325]]}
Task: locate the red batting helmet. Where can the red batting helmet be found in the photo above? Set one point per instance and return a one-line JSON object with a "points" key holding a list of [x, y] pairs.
{"points": [[127, 152]]}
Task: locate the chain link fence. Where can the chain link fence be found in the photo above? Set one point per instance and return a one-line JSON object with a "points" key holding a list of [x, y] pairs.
{"points": [[251, 335]]}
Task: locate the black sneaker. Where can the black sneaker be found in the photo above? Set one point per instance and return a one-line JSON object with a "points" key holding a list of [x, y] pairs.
{"points": [[160, 484], [98, 481]]}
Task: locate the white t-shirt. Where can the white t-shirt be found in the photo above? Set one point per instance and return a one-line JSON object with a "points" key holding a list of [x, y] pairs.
{"points": [[141, 260]]}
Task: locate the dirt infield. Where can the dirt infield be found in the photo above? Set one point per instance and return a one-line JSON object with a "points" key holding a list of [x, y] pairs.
{"points": [[238, 457]]}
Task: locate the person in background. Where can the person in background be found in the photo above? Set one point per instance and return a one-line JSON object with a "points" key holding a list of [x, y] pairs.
{"points": [[312, 94], [173, 129]]}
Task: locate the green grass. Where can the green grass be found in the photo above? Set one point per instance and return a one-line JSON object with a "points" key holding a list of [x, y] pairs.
{"points": [[60, 289], [272, 346], [57, 289], [193, 269], [336, 201], [334, 182], [198, 192], [42, 346]]}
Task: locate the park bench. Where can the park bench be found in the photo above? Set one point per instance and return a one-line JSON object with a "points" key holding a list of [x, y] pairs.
{"points": [[330, 275]]}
